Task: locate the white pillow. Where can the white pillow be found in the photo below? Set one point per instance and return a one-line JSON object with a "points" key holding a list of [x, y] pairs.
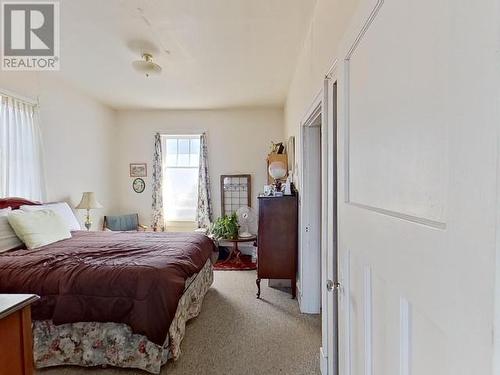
{"points": [[61, 208], [8, 238], [38, 228]]}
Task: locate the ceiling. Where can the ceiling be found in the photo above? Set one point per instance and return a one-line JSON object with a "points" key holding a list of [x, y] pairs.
{"points": [[214, 53]]}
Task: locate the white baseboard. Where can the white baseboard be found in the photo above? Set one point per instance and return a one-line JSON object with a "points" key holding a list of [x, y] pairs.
{"points": [[298, 294], [307, 306], [323, 362]]}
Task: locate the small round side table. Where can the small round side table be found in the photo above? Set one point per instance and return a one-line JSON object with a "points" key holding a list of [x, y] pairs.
{"points": [[235, 252]]}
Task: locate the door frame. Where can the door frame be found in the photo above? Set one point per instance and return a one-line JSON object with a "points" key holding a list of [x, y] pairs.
{"points": [[496, 322], [330, 296], [310, 269], [319, 110]]}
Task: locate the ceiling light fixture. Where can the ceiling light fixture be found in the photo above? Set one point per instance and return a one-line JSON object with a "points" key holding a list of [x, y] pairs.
{"points": [[146, 66]]}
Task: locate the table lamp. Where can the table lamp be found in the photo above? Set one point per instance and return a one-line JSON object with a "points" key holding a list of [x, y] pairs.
{"points": [[277, 170], [88, 202]]}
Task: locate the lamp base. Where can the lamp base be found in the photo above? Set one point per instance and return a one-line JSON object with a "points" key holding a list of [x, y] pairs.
{"points": [[88, 222]]}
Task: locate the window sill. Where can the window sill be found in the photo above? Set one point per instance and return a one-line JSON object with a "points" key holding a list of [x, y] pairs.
{"points": [[180, 226]]}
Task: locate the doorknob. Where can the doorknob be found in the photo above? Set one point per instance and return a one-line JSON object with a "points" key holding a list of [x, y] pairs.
{"points": [[330, 285]]}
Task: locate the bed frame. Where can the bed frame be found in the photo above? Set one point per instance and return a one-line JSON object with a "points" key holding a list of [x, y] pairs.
{"points": [[16, 202], [90, 344]]}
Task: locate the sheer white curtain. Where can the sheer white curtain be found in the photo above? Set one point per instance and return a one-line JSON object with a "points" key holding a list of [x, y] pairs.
{"points": [[21, 163]]}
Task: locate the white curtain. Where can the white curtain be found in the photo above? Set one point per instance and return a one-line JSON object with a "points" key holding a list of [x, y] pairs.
{"points": [[21, 161]]}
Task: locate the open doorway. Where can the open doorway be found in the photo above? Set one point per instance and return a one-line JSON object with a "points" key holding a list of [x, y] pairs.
{"points": [[311, 212], [318, 280], [313, 217]]}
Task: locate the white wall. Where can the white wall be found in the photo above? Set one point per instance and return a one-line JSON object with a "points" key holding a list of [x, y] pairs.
{"points": [[238, 142], [328, 24], [78, 135], [329, 21], [88, 146]]}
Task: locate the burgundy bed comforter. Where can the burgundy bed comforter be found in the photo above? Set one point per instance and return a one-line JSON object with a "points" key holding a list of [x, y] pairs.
{"points": [[122, 277]]}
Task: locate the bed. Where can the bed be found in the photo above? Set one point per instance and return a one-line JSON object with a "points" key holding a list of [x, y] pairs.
{"points": [[110, 298]]}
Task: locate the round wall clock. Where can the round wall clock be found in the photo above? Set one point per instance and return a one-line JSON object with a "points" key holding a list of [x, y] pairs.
{"points": [[138, 185]]}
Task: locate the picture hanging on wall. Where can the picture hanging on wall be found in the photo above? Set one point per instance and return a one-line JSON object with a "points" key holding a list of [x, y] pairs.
{"points": [[138, 170], [138, 185], [236, 192]]}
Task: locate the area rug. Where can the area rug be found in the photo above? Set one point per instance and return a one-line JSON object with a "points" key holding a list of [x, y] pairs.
{"points": [[244, 264]]}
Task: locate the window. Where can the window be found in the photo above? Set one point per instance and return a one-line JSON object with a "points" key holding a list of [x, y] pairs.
{"points": [[181, 155], [21, 172]]}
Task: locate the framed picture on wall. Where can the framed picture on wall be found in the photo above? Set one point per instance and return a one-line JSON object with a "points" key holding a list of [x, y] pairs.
{"points": [[138, 170], [236, 192]]}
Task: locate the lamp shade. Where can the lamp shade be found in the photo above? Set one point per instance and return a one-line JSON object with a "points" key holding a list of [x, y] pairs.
{"points": [[277, 170], [88, 201]]}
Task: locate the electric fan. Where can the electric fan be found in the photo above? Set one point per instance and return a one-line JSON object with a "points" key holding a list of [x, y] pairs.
{"points": [[247, 219]]}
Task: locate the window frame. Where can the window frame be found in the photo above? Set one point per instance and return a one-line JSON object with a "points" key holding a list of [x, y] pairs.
{"points": [[178, 223]]}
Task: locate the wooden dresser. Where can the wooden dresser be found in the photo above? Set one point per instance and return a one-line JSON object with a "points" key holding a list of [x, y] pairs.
{"points": [[278, 239], [16, 342]]}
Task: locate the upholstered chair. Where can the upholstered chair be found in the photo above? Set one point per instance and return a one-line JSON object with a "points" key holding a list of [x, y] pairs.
{"points": [[123, 223]]}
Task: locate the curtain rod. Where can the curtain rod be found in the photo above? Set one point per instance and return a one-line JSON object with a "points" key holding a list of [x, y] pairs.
{"points": [[181, 133], [21, 98]]}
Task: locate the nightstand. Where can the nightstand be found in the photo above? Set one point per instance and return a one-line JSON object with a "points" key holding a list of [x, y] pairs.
{"points": [[16, 341]]}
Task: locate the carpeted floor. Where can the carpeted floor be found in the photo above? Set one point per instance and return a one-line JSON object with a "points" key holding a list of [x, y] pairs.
{"points": [[236, 334]]}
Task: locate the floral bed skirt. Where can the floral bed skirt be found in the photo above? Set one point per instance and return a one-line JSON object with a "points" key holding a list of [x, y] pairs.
{"points": [[113, 344]]}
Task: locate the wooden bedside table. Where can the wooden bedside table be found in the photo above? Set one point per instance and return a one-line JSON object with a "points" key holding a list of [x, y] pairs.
{"points": [[16, 342]]}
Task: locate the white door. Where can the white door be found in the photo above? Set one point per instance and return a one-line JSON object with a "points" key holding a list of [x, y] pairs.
{"points": [[418, 98]]}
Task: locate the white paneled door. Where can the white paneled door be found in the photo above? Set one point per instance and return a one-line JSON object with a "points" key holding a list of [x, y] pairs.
{"points": [[417, 188]]}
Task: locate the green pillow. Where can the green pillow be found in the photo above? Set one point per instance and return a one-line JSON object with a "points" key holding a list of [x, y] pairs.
{"points": [[38, 228]]}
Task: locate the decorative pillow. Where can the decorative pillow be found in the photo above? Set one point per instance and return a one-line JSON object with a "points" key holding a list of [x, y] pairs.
{"points": [[62, 208], [38, 228], [8, 239]]}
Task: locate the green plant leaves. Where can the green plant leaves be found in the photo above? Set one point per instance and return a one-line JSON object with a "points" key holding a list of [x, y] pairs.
{"points": [[226, 227]]}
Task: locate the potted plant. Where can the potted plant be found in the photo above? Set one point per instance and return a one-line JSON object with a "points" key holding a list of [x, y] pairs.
{"points": [[225, 227]]}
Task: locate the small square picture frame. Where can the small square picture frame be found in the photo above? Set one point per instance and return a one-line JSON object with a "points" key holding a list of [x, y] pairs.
{"points": [[138, 170]]}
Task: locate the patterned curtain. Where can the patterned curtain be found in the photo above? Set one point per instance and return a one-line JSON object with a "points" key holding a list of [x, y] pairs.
{"points": [[158, 223], [204, 210]]}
